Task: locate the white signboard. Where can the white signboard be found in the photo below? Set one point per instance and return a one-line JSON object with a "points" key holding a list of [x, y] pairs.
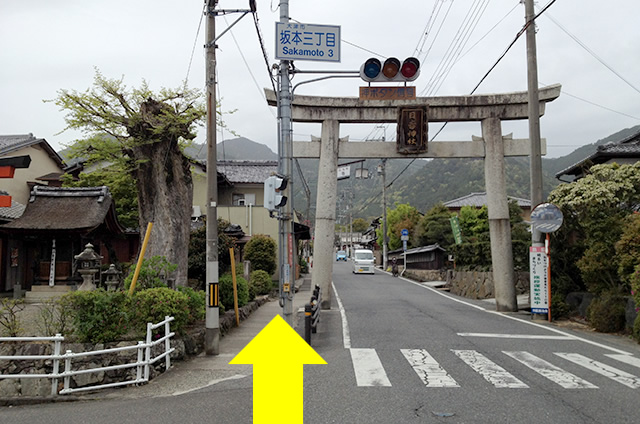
{"points": [[296, 41], [344, 172], [539, 283]]}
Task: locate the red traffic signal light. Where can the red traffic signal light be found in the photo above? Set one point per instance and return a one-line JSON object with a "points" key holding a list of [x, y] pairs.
{"points": [[391, 70]]}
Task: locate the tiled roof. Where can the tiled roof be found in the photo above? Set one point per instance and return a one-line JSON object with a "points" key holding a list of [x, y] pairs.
{"points": [[12, 143], [14, 211], [247, 172], [629, 147], [477, 200]]}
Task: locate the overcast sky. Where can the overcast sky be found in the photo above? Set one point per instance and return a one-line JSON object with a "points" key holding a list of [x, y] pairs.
{"points": [[49, 45]]}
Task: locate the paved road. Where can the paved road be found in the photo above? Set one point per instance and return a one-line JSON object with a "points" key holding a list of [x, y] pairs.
{"points": [[412, 355]]}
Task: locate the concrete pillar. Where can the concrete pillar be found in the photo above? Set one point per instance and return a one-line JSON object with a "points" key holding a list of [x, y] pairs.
{"points": [[499, 225], [326, 211]]}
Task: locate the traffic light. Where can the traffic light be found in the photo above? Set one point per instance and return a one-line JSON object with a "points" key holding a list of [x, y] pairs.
{"points": [[273, 187], [391, 70]]}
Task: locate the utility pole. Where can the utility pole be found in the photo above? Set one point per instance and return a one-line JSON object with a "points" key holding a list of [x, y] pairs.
{"points": [[382, 171], [212, 317], [534, 115], [285, 153]]}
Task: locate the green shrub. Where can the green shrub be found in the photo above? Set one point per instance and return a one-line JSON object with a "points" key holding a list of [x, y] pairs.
{"points": [[153, 273], [261, 252], [636, 329], [152, 305], [9, 309], [196, 303], [261, 282], [304, 266], [559, 308], [607, 313], [226, 291], [99, 316], [55, 316]]}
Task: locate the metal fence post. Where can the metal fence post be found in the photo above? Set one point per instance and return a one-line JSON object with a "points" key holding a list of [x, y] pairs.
{"points": [[139, 365], [307, 323], [147, 357], [67, 369], [56, 364], [167, 342]]}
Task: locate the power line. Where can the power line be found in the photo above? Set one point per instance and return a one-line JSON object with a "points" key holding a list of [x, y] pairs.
{"points": [[186, 80], [592, 53]]}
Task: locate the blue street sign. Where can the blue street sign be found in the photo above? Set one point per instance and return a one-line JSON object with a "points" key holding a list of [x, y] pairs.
{"points": [[405, 232]]}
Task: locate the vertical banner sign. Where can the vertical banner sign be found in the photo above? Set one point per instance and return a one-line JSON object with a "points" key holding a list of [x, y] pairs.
{"points": [[539, 281], [455, 227], [412, 130]]}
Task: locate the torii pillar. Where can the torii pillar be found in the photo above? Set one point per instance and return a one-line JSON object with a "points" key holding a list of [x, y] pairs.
{"points": [[490, 110]]}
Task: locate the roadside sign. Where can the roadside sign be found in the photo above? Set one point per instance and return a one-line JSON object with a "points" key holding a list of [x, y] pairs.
{"points": [[539, 281], [455, 227], [344, 172], [404, 232], [387, 93], [547, 218], [296, 41]]}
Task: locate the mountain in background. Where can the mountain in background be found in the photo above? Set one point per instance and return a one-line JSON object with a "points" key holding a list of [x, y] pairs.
{"points": [[235, 149], [421, 183]]}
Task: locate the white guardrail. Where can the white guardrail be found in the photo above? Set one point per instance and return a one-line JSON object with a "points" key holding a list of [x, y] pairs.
{"points": [[144, 359]]}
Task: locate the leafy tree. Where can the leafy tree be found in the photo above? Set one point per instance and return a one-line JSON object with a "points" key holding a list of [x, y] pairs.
{"points": [[474, 223], [261, 251], [594, 209], [628, 247], [142, 133], [403, 216], [435, 227], [198, 252], [359, 225]]}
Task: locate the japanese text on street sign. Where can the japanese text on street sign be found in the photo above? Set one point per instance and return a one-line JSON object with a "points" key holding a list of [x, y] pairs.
{"points": [[387, 93], [539, 281], [296, 41]]}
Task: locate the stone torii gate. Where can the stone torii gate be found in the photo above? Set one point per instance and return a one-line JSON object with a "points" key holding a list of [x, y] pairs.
{"points": [[489, 109]]}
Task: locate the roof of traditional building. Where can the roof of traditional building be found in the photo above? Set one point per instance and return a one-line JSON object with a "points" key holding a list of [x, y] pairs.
{"points": [[478, 200], [67, 209], [12, 143], [12, 212], [247, 172], [627, 148]]}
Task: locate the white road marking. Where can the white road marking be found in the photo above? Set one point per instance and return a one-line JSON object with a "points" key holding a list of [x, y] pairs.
{"points": [[631, 360], [603, 346], [368, 368], [516, 336], [346, 338], [491, 371], [615, 374], [550, 371], [428, 369], [211, 383]]}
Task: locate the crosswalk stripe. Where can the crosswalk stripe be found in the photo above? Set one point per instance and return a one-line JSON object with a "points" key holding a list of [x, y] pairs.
{"points": [[428, 369], [368, 368], [550, 371], [631, 360], [615, 374], [491, 371]]}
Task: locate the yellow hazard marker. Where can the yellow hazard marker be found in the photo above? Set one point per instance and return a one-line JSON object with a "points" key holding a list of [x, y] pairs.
{"points": [[278, 355]]}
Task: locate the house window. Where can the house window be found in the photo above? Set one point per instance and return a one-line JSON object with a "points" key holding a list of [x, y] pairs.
{"points": [[242, 199]]}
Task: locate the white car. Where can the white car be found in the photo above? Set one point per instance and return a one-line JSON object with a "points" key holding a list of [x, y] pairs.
{"points": [[363, 262]]}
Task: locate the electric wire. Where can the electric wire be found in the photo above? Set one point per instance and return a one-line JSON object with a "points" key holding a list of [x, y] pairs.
{"points": [[193, 49], [592, 53]]}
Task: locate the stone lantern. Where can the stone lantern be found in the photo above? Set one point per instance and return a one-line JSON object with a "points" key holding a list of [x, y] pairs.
{"points": [[88, 267], [112, 278]]}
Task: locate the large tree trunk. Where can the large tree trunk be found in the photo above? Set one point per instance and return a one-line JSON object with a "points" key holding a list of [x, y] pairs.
{"points": [[165, 193]]}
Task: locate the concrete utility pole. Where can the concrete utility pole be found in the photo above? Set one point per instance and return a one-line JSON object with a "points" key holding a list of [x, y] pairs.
{"points": [[285, 153], [534, 115], [212, 318], [385, 246]]}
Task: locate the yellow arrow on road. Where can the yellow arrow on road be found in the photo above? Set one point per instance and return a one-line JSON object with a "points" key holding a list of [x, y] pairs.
{"points": [[278, 355]]}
